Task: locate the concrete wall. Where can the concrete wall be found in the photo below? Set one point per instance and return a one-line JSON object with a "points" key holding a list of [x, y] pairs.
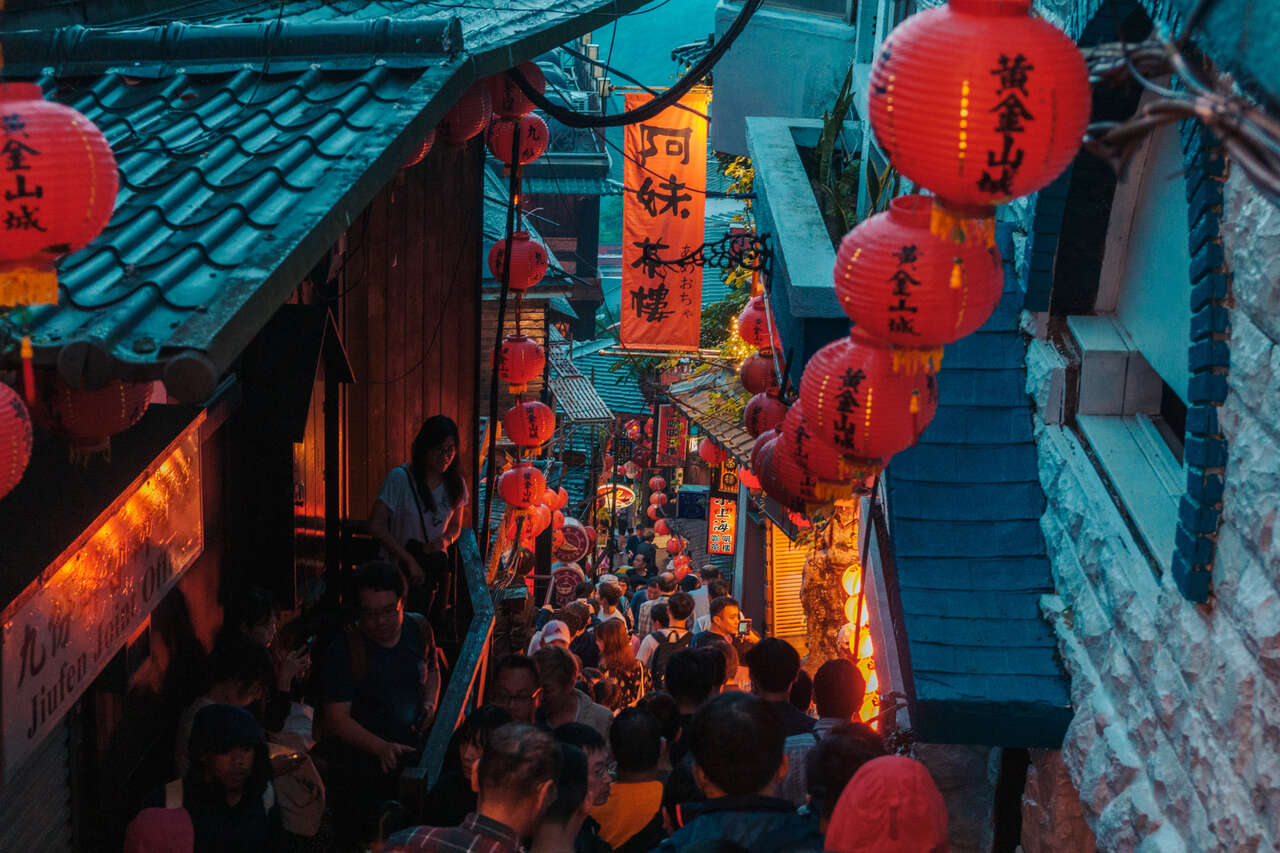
{"points": [[785, 63]]}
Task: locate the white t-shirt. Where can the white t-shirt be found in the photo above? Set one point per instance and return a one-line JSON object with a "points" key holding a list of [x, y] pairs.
{"points": [[649, 644], [406, 523]]}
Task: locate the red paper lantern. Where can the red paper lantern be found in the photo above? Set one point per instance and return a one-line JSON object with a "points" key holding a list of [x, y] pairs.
{"points": [[15, 439], [508, 100], [534, 138], [423, 150], [528, 260], [657, 484], [541, 518], [748, 478], [654, 513], [869, 400], [818, 458], [711, 453], [648, 427], [762, 441], [763, 412], [674, 545], [632, 430], [557, 520], [521, 486], [88, 418], [757, 374], [681, 566], [753, 326], [978, 101], [661, 527], [520, 360], [641, 456], [468, 116], [562, 498], [59, 195], [529, 424], [775, 486], [658, 499], [900, 283], [786, 469]]}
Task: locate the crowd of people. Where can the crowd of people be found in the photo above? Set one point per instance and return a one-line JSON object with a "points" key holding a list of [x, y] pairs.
{"points": [[644, 715]]}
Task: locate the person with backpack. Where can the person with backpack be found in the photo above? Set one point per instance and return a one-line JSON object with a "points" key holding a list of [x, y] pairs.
{"points": [[657, 648], [381, 683]]}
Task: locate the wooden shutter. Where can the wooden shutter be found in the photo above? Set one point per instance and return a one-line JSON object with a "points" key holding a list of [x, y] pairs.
{"points": [[35, 808], [786, 573]]}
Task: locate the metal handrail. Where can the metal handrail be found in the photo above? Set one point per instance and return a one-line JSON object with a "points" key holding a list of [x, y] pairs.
{"points": [[466, 681]]}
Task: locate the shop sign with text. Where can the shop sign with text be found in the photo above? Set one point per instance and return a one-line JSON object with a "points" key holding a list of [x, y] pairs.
{"points": [[722, 525], [68, 625], [673, 436]]}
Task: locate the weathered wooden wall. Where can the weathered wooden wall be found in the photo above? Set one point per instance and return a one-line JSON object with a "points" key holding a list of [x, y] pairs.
{"points": [[409, 314]]}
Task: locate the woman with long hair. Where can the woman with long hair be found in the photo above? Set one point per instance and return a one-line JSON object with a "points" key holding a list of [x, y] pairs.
{"points": [[618, 662], [418, 512]]}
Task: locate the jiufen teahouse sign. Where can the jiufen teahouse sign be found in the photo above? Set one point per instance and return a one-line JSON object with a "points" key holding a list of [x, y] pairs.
{"points": [[665, 180], [68, 625]]}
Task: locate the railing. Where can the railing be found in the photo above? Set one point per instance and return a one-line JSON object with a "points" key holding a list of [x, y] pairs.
{"points": [[466, 682]]}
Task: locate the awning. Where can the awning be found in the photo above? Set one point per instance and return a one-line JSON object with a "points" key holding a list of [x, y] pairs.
{"points": [[552, 185], [575, 394], [697, 400], [236, 179]]}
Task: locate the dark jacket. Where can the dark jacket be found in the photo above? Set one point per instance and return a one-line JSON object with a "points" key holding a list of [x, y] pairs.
{"points": [[759, 824]]}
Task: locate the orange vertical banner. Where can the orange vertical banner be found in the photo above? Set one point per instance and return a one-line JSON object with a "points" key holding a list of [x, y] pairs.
{"points": [[665, 180]]}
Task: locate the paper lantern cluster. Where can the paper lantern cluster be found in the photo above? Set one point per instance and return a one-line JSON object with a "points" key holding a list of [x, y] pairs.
{"points": [[15, 439], [59, 191]]}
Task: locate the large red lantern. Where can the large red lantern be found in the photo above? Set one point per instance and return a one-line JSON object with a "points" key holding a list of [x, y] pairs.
{"points": [[521, 486], [869, 400], [762, 441], [657, 484], [978, 101], [15, 439], [654, 513], [529, 424], [786, 469], [423, 150], [88, 418], [748, 478], [753, 326], [900, 283], [468, 116], [658, 499], [534, 138], [771, 480], [528, 260], [763, 412], [60, 185], [838, 476], [711, 453], [757, 375], [661, 527], [508, 100], [520, 360]]}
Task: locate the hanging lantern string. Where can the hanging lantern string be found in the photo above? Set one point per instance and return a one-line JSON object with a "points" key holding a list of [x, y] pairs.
{"points": [[770, 326], [513, 222]]}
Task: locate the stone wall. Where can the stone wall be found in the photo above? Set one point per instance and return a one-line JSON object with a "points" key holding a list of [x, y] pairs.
{"points": [[1175, 744]]}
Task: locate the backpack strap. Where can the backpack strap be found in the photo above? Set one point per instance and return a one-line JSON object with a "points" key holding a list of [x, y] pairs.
{"points": [[173, 794]]}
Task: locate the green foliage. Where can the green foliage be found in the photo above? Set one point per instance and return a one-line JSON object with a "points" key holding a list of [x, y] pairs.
{"points": [[836, 184]]}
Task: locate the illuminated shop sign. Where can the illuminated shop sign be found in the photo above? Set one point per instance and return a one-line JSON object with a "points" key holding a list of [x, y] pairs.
{"points": [[722, 524], [72, 620]]}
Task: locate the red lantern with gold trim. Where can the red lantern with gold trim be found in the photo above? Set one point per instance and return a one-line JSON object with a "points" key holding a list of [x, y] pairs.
{"points": [[468, 116], [534, 138], [520, 361], [657, 484], [763, 412], [978, 101], [528, 260], [521, 486], [753, 326], [757, 374], [661, 527], [508, 100], [867, 399], [60, 189], [711, 453], [820, 459], [529, 424], [787, 470], [901, 284], [86, 418], [15, 439]]}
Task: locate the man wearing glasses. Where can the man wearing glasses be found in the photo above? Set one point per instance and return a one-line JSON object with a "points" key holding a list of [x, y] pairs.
{"points": [[514, 686], [381, 684]]}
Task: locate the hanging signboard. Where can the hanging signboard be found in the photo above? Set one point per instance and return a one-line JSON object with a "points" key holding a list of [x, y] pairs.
{"points": [[663, 205], [722, 525], [727, 476], [673, 436], [69, 624]]}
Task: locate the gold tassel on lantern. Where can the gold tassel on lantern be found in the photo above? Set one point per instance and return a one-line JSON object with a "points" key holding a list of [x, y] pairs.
{"points": [[915, 402], [24, 285], [963, 225], [917, 360]]}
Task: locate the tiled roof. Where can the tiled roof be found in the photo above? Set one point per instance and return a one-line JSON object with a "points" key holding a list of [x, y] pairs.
{"points": [[696, 399], [571, 186], [234, 183], [966, 505], [615, 385], [575, 395]]}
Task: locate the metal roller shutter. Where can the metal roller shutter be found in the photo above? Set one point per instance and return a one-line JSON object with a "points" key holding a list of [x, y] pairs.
{"points": [[35, 808], [786, 573]]}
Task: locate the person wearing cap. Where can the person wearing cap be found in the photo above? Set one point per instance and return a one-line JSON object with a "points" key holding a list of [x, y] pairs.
{"points": [[227, 790], [736, 782], [890, 806], [774, 665], [554, 633]]}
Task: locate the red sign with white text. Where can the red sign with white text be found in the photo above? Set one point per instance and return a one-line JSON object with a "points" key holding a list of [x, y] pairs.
{"points": [[722, 525]]}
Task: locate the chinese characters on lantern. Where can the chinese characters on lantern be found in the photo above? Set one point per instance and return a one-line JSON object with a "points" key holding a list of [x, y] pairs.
{"points": [[662, 220], [22, 210], [1011, 113], [722, 523], [847, 404], [904, 284], [673, 436]]}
